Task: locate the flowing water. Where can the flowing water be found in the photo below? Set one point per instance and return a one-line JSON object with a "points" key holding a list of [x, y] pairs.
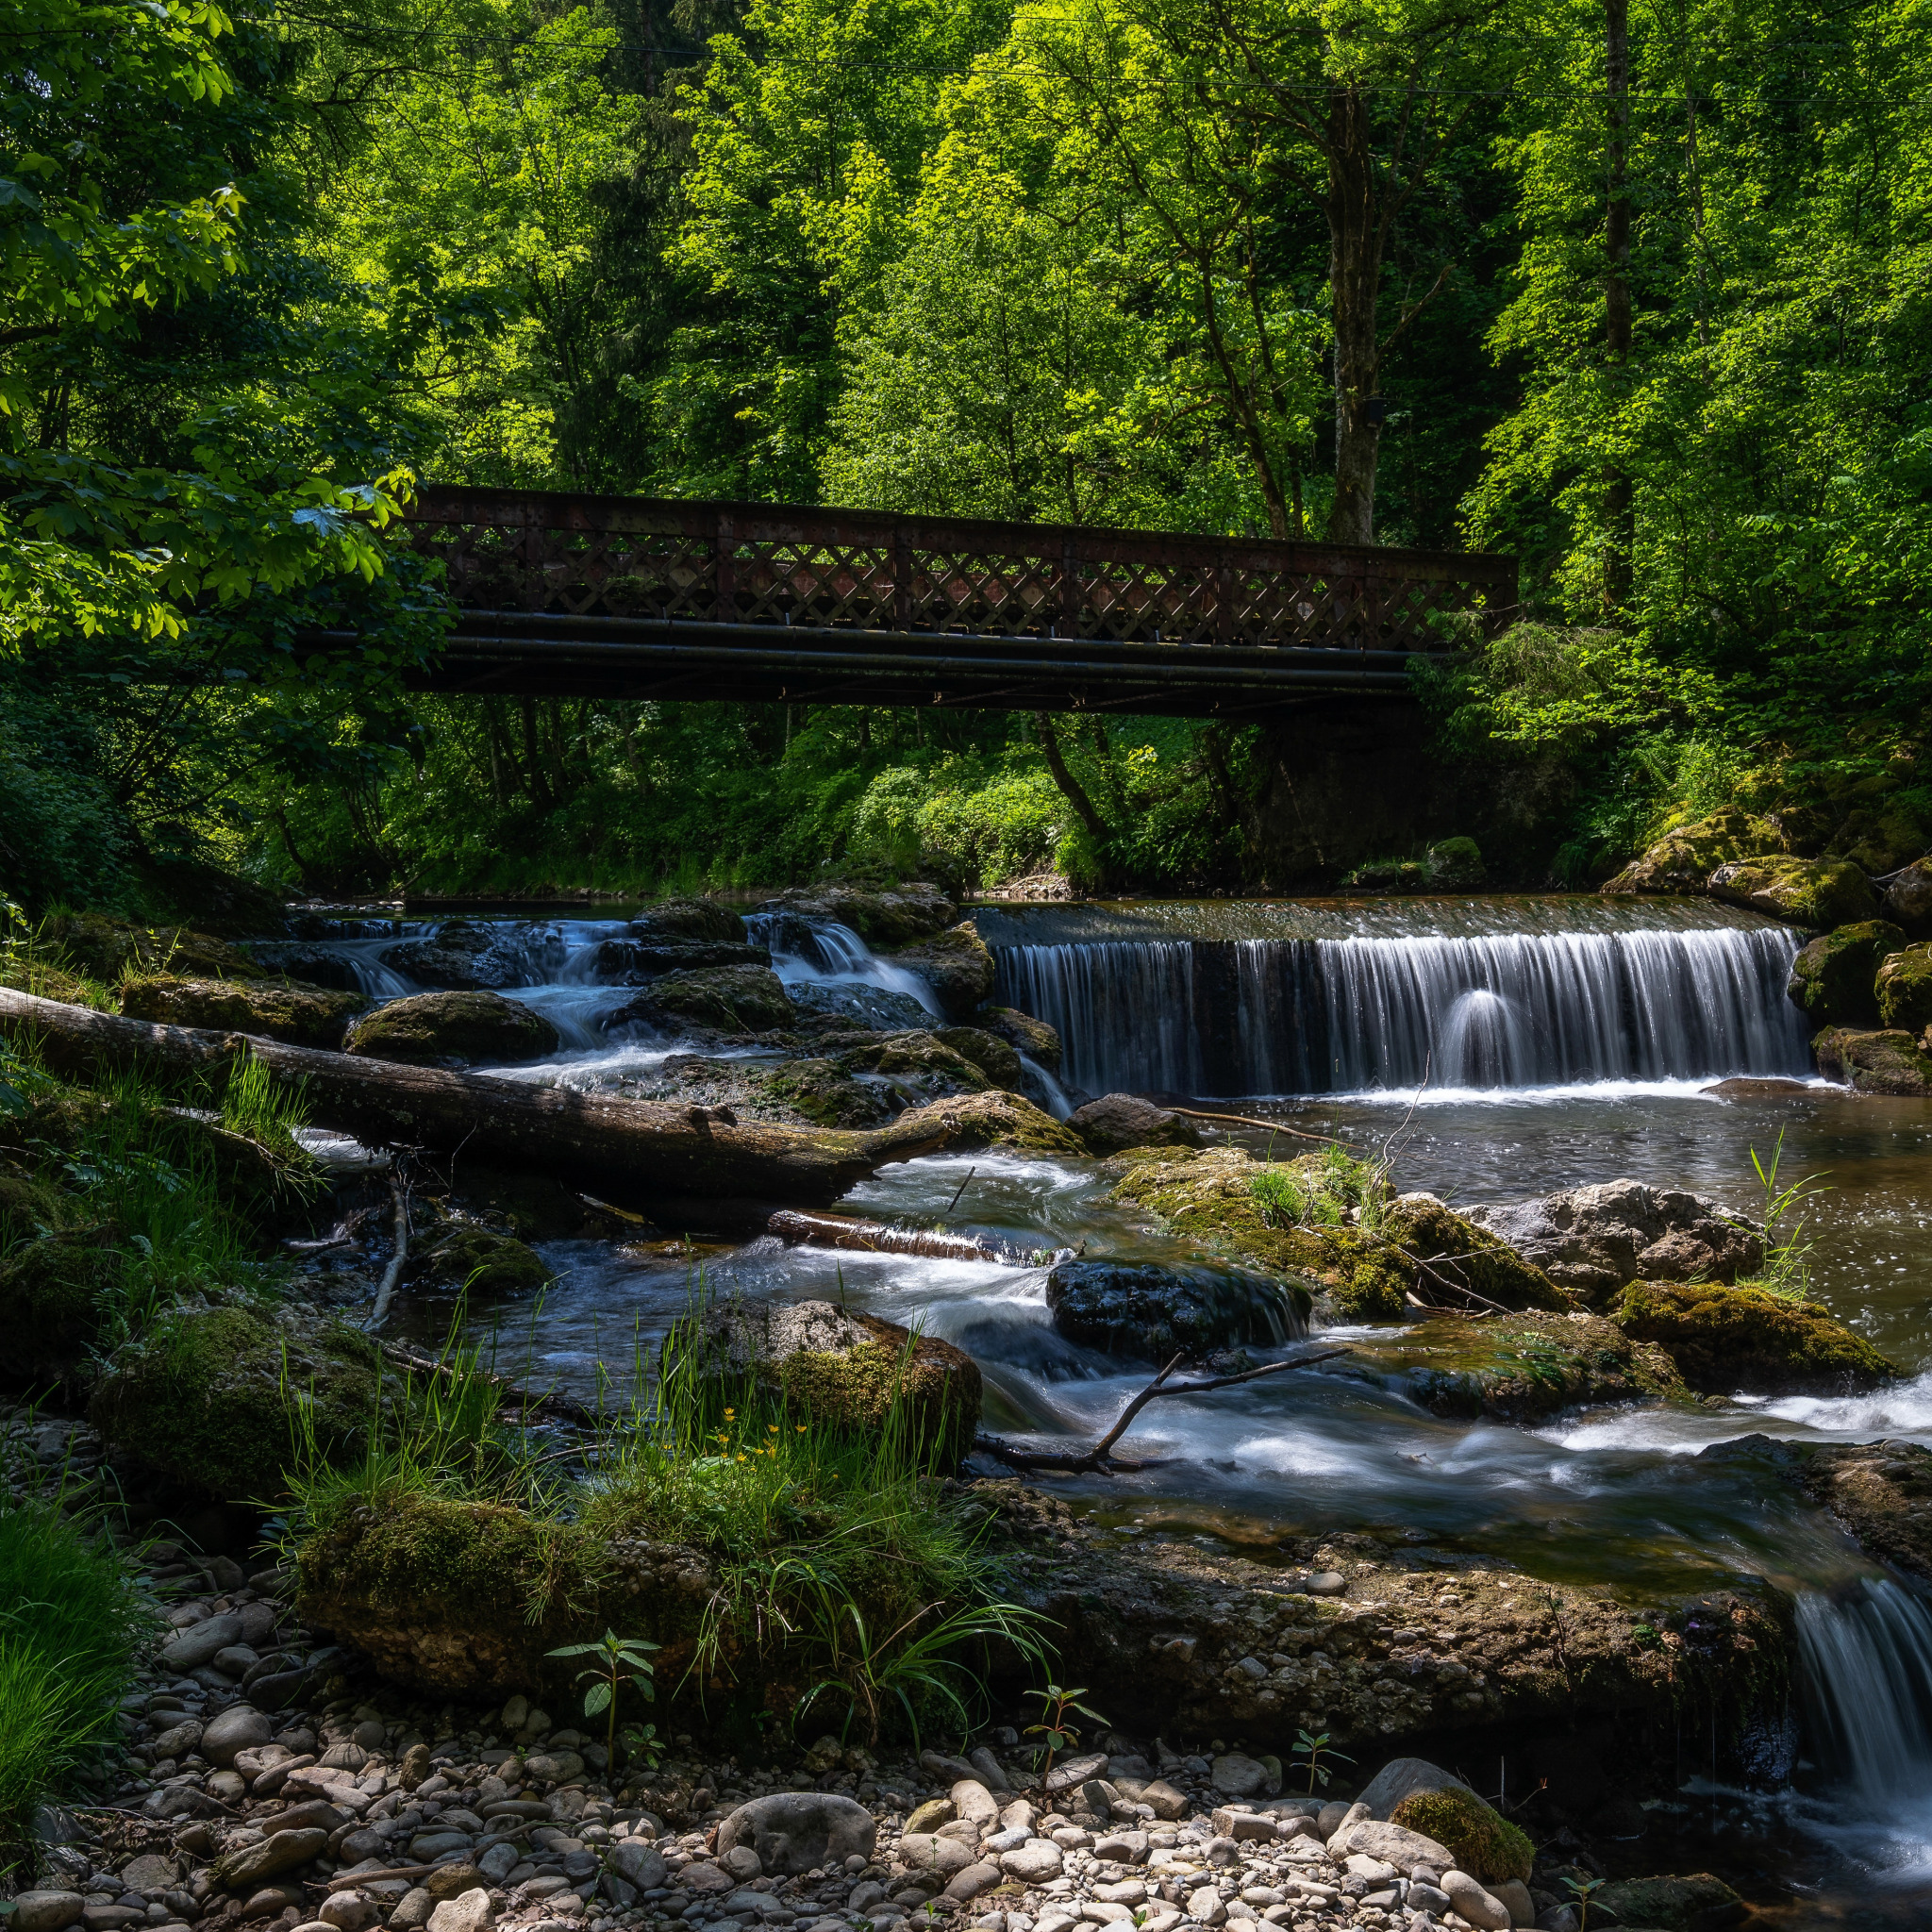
{"points": [[1501, 1049]]}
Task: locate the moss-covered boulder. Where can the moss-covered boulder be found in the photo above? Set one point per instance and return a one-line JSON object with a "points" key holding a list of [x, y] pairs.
{"points": [[468, 1255], [1892, 1061], [971, 1121], [1152, 1313], [1820, 892], [691, 920], [1116, 1121], [1832, 977], [1909, 899], [1024, 1034], [955, 964], [103, 947], [1289, 1220], [819, 1091], [1453, 865], [56, 1290], [882, 916], [1683, 859], [434, 1030], [920, 1065], [1903, 989], [223, 1399], [277, 1009], [471, 955], [1485, 1843], [732, 999], [1520, 1368], [848, 1371], [1748, 1341], [993, 1055], [1690, 1904]]}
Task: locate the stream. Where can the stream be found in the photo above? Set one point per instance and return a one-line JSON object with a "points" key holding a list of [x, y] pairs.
{"points": [[1503, 1048]]}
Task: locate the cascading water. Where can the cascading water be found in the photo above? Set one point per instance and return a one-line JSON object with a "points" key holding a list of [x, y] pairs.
{"points": [[1490, 1010]]}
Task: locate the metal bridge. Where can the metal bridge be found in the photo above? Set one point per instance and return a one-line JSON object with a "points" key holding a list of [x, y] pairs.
{"points": [[614, 596]]}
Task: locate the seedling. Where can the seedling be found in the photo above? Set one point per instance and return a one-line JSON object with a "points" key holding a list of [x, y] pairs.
{"points": [[621, 1660], [1581, 1891], [1314, 1746], [1054, 1733]]}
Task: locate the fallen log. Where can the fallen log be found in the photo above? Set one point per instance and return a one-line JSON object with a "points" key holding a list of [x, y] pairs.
{"points": [[875, 1238], [630, 1149]]}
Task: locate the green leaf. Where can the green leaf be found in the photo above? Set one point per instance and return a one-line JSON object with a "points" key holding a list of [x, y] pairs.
{"points": [[596, 1698]]}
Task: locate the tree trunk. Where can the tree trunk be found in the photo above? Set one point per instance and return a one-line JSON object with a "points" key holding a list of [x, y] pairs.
{"points": [[627, 1151], [1071, 788], [1619, 521], [1354, 276]]}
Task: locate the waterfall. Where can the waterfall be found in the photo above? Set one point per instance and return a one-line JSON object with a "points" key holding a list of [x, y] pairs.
{"points": [[1866, 1657], [1489, 1010]]}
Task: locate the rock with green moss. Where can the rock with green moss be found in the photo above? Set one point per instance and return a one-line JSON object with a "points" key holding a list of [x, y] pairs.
{"points": [[885, 915], [1690, 1904], [1750, 1341], [1903, 988], [1024, 1034], [1818, 892], [972, 1121], [993, 1055], [1909, 898], [58, 1290], [1832, 977], [104, 948], [919, 1065], [1684, 859], [732, 999], [275, 1009], [223, 1399], [480, 1261], [434, 1030], [847, 1371], [1484, 1842], [1451, 865], [697, 921], [1891, 1062], [819, 1091], [955, 964]]}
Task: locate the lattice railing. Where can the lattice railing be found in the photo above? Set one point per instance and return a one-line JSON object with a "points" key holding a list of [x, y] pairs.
{"points": [[764, 565]]}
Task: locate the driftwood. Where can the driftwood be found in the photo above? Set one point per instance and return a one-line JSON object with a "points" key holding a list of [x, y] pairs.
{"points": [[1099, 1460], [627, 1149], [1245, 1120], [875, 1238], [393, 1272]]}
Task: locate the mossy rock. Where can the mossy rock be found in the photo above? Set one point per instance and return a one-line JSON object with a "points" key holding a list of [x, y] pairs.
{"points": [[1832, 977], [483, 1263], [1521, 1369], [1688, 1904], [277, 1009], [1684, 859], [955, 964], [1903, 989], [993, 1055], [1486, 1844], [1152, 1312], [1747, 1341], [1024, 1034], [437, 1028], [1452, 865], [1881, 837], [819, 1091], [209, 1396], [735, 999], [922, 1060], [970, 1120], [103, 947], [882, 916], [56, 1292], [1909, 899], [51, 982], [1892, 1061], [698, 920], [1818, 892]]}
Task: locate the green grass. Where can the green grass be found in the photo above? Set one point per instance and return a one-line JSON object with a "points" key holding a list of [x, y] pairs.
{"points": [[1321, 1190], [71, 1622]]}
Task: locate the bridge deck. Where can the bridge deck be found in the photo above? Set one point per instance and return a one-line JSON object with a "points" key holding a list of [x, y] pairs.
{"points": [[627, 597]]}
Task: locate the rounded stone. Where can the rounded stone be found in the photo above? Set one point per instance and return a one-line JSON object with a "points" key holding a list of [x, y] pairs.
{"points": [[792, 1832], [1238, 1776], [46, 1911], [1480, 1906], [970, 1883], [1033, 1864]]}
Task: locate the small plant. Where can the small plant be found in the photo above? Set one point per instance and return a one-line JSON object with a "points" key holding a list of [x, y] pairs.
{"points": [[1054, 1733], [621, 1660], [1282, 1203], [1314, 1746], [641, 1745], [1787, 1252], [1581, 1891]]}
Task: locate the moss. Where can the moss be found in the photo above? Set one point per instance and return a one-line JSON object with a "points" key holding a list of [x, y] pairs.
{"points": [[1818, 892], [208, 1396], [820, 1091], [933, 1063], [1684, 860], [936, 1387], [1024, 1034], [55, 1293], [992, 1056], [1453, 865], [739, 999], [956, 964], [48, 982], [104, 948], [1886, 1063], [1687, 1904], [972, 1121], [698, 920], [1486, 1844], [279, 1009], [476, 1259], [1832, 978], [1903, 990], [1730, 1340], [432, 1027]]}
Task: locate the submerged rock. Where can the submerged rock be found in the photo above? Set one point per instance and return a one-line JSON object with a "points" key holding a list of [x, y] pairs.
{"points": [[1819, 893], [1592, 1241], [1682, 861], [1024, 1034], [1832, 977], [736, 999], [438, 1028], [956, 964], [1154, 1313], [277, 1009], [1892, 1062], [1748, 1341], [476, 1259], [1909, 899], [1903, 988], [1119, 1121]]}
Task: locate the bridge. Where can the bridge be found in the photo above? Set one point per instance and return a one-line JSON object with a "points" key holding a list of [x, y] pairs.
{"points": [[612, 596]]}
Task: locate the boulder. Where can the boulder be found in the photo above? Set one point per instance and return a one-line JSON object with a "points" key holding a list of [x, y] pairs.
{"points": [[1683, 860], [846, 1369], [933, 1856], [277, 1008], [104, 948], [1748, 1341], [1903, 989], [1152, 1312], [889, 916], [1881, 1491], [1119, 1121], [1818, 892], [992, 1055], [236, 1729], [1909, 899], [1480, 1840], [972, 1121], [461, 1028], [1394, 1845], [823, 1093], [284, 1850], [56, 1289], [1024, 1034], [1592, 1241], [733, 999], [1692, 1904], [1480, 1906], [46, 1911], [955, 964], [920, 1065], [466, 955], [634, 962], [1832, 977], [471, 1257], [691, 922], [797, 1831], [1892, 1062], [638, 1864], [310, 962]]}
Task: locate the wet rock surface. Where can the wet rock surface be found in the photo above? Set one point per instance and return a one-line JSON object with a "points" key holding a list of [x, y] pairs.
{"points": [[1889, 1062], [1747, 1341], [955, 964], [1833, 978], [1154, 1313], [1116, 1121], [279, 1009], [466, 955], [453, 1029], [737, 999], [884, 916]]}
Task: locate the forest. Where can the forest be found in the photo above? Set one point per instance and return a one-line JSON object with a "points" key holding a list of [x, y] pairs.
{"points": [[1640, 295]]}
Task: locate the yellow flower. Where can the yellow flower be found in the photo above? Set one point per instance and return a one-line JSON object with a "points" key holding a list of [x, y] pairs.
{"points": [[729, 1413], [801, 1429]]}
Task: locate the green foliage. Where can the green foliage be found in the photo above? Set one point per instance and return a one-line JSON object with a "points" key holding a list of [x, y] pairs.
{"points": [[1787, 1252], [621, 1660], [1056, 1730], [1315, 1747]]}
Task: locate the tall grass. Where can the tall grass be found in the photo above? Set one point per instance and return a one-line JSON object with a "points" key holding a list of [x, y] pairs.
{"points": [[71, 1622]]}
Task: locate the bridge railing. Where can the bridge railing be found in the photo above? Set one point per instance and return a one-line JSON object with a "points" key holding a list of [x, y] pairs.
{"points": [[754, 565]]}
